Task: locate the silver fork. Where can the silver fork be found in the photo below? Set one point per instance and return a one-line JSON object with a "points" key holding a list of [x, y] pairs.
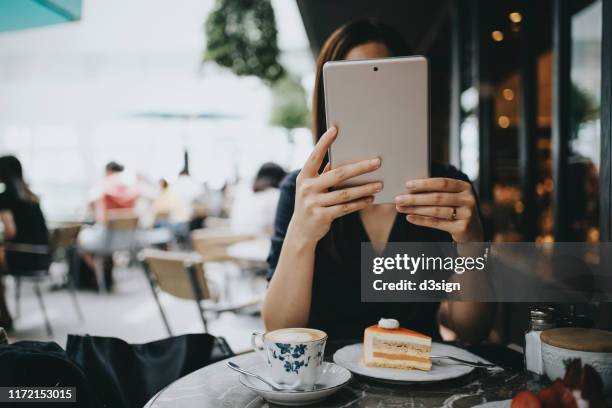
{"points": [[464, 362]]}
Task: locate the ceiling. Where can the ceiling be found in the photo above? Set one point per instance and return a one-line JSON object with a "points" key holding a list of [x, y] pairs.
{"points": [[420, 22]]}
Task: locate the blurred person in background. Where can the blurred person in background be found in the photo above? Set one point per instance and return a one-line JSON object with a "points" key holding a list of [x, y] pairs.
{"points": [[143, 207], [170, 210], [187, 188], [23, 223], [254, 208], [193, 195], [112, 192]]}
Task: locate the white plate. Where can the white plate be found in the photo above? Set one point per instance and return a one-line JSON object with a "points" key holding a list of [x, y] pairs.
{"points": [[351, 357], [333, 378]]}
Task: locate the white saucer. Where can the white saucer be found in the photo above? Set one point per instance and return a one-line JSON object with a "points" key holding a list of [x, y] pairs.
{"points": [[496, 404], [332, 380], [351, 357]]}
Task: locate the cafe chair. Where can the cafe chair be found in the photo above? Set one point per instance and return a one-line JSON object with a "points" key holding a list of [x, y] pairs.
{"points": [[120, 235], [62, 237], [178, 274], [128, 375], [122, 226], [212, 244], [183, 275]]}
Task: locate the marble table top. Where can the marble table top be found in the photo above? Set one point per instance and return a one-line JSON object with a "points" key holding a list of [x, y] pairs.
{"points": [[218, 386]]}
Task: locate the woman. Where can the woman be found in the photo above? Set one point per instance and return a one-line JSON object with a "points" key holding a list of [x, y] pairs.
{"points": [[314, 261], [23, 223]]}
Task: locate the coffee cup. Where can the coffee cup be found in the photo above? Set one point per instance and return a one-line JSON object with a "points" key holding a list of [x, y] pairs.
{"points": [[294, 356]]}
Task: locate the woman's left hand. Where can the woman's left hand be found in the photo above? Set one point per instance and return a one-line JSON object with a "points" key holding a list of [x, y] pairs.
{"points": [[442, 203]]}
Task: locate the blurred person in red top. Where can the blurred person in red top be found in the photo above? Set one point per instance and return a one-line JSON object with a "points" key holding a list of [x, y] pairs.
{"points": [[113, 192]]}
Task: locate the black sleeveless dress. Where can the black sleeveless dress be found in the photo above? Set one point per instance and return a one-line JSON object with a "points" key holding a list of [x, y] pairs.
{"points": [[336, 306]]}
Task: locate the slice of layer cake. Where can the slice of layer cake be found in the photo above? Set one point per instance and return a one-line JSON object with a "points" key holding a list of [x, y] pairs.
{"points": [[387, 345]]}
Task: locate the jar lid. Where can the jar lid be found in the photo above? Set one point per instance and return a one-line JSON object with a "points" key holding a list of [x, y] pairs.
{"points": [[580, 339], [542, 317], [542, 312]]}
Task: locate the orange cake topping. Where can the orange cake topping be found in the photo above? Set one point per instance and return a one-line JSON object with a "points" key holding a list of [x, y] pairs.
{"points": [[401, 330]]}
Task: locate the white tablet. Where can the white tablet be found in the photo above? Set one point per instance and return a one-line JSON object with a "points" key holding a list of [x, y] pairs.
{"points": [[381, 109]]}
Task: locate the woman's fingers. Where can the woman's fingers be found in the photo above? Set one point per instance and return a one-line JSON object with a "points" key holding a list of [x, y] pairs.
{"points": [[339, 210], [429, 222], [313, 164], [349, 194], [326, 168], [437, 184], [445, 213], [444, 204], [433, 199], [336, 176]]}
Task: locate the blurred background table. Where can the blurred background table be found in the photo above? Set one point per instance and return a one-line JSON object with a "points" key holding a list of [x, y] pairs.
{"points": [[255, 250]]}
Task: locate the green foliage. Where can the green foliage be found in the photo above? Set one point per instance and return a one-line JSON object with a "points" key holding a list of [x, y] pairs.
{"points": [[289, 106], [584, 108], [241, 35], [584, 105]]}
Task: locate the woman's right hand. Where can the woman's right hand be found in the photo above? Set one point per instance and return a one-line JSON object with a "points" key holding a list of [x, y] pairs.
{"points": [[315, 205]]}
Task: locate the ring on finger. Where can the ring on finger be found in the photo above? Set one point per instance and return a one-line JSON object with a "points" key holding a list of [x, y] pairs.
{"points": [[453, 216]]}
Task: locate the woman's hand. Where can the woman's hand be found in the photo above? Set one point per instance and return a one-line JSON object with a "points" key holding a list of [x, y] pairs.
{"points": [[442, 203], [315, 205]]}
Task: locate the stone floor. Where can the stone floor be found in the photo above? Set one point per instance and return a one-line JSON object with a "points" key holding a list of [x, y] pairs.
{"points": [[129, 313]]}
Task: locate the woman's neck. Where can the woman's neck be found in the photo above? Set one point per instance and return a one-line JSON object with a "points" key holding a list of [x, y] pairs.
{"points": [[378, 221]]}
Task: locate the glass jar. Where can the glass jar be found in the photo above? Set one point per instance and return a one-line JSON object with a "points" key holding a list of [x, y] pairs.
{"points": [[540, 319]]}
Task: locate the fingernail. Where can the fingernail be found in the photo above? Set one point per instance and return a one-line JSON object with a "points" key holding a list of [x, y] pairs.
{"points": [[375, 162], [397, 199], [410, 184], [378, 187], [370, 199]]}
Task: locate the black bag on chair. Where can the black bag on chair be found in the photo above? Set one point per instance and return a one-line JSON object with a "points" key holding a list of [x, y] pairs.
{"points": [[41, 364], [128, 375]]}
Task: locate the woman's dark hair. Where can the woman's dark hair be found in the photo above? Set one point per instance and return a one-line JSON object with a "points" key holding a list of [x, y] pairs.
{"points": [[11, 174], [269, 175], [338, 45]]}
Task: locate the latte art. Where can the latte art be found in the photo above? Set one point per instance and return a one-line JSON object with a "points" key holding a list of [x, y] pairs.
{"points": [[295, 335]]}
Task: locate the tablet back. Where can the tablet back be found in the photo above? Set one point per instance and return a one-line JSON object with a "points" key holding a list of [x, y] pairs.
{"points": [[381, 109]]}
